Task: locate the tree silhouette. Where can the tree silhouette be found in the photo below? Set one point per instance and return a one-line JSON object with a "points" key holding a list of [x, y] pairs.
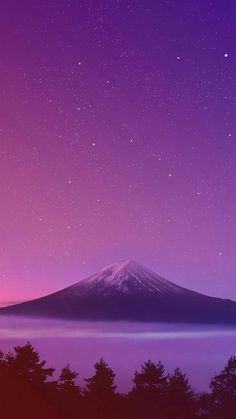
{"points": [[100, 392], [67, 381], [2, 362], [179, 395], [151, 379], [223, 391], [178, 386], [101, 384], [148, 391], [26, 392], [69, 393], [4, 371], [26, 363]]}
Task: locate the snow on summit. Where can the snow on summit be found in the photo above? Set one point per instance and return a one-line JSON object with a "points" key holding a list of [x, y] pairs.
{"points": [[129, 291], [125, 277]]}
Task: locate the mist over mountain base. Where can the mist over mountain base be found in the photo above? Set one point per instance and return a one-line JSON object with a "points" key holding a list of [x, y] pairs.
{"points": [[199, 350], [128, 291]]}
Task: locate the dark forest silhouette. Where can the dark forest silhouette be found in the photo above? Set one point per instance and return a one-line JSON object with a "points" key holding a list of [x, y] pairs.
{"points": [[28, 391]]}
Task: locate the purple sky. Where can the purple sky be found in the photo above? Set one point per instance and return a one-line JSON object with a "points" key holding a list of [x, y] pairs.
{"points": [[116, 141]]}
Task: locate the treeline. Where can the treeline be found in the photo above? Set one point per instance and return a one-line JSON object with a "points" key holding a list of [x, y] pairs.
{"points": [[28, 391]]}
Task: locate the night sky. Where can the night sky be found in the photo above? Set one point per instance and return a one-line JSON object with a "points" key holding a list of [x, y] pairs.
{"points": [[116, 141]]}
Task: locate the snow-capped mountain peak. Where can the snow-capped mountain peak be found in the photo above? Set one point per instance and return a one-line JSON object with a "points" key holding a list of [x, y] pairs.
{"points": [[128, 291], [125, 277]]}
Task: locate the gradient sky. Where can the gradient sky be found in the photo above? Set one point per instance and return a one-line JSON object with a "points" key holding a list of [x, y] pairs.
{"points": [[116, 141]]}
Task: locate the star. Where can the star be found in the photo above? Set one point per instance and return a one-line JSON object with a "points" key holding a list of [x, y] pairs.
{"points": [[93, 144], [169, 174], [178, 58], [226, 55], [220, 253]]}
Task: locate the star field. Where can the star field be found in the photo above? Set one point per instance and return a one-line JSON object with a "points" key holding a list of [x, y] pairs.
{"points": [[117, 140]]}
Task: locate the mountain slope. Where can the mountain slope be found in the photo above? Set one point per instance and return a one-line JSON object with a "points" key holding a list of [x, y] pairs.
{"points": [[128, 291], [125, 277]]}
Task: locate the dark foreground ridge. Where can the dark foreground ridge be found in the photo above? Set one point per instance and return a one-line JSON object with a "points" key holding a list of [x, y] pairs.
{"points": [[129, 291], [29, 391]]}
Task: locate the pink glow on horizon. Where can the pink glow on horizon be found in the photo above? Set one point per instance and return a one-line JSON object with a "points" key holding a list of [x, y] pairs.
{"points": [[115, 144]]}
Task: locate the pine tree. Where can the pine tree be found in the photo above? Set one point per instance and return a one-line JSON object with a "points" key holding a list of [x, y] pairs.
{"points": [[101, 385], [178, 386], [4, 373], [26, 363], [151, 379], [179, 395], [26, 392], [67, 382], [223, 391], [2, 361]]}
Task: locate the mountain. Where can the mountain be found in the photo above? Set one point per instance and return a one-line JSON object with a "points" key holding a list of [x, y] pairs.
{"points": [[129, 291]]}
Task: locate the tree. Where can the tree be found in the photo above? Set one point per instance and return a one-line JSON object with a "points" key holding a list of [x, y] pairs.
{"points": [[2, 362], [178, 386], [67, 381], [151, 379], [101, 385], [69, 393], [25, 394], [148, 392], [179, 395], [26, 363], [4, 372], [223, 391]]}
